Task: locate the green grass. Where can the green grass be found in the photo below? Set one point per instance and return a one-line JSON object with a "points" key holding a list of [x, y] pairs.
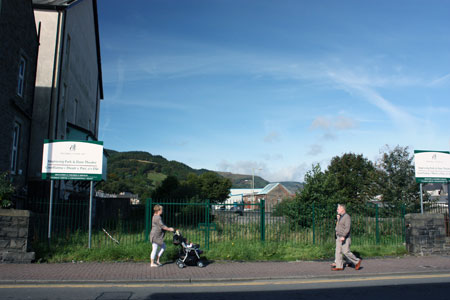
{"points": [[238, 250], [77, 252], [156, 178], [228, 242], [242, 250]]}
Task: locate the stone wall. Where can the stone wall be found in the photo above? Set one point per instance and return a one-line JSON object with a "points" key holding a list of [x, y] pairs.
{"points": [[15, 235], [425, 234]]}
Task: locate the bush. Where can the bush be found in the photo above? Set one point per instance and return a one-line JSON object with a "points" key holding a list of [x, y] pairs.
{"points": [[6, 191]]}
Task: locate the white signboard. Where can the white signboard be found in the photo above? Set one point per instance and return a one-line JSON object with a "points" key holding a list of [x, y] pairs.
{"points": [[72, 160], [432, 166]]}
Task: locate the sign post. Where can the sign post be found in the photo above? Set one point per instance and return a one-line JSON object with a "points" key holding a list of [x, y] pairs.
{"points": [[50, 211], [91, 195], [72, 160], [432, 167], [421, 198]]}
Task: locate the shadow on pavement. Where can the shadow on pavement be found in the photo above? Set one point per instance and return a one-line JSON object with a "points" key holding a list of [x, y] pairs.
{"points": [[435, 291]]}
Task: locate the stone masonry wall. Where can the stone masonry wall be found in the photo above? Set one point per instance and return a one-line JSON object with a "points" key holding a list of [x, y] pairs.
{"points": [[425, 234], [15, 236]]}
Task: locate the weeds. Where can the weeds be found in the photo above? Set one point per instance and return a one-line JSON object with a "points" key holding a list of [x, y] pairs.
{"points": [[236, 250]]}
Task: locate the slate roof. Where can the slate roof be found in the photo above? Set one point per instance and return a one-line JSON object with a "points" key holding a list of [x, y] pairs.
{"points": [[291, 187], [54, 3]]}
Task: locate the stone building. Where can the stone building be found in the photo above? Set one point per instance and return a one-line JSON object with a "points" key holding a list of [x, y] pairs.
{"points": [[18, 56], [51, 83], [68, 81], [273, 193]]}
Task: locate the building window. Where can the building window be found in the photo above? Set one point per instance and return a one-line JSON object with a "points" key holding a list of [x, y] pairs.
{"points": [[15, 148], [21, 77]]}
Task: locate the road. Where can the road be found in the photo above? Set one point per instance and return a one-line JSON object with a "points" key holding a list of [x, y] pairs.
{"points": [[410, 287]]}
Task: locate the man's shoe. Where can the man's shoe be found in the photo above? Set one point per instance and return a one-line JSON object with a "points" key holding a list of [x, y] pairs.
{"points": [[337, 269], [358, 265]]}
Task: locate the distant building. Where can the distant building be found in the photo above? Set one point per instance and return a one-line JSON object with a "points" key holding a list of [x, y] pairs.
{"points": [[273, 193], [113, 206], [236, 198], [133, 198], [18, 56], [437, 192]]}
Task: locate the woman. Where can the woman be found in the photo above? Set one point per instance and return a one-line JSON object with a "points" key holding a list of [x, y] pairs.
{"points": [[157, 236]]}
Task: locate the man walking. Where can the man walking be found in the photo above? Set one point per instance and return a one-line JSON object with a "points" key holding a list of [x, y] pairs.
{"points": [[343, 241]]}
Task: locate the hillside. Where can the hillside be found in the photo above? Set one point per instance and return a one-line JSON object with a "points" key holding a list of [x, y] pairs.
{"points": [[241, 181], [140, 172]]}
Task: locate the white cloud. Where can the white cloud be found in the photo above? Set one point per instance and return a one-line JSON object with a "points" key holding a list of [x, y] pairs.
{"points": [[285, 173], [344, 123], [328, 136], [321, 123], [441, 81], [315, 149], [272, 137], [290, 173], [241, 167], [334, 123], [352, 84], [272, 156], [151, 104]]}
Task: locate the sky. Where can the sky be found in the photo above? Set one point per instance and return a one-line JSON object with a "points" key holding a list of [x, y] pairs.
{"points": [[272, 87]]}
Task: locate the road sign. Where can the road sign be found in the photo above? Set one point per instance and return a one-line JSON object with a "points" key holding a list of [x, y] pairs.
{"points": [[432, 166]]}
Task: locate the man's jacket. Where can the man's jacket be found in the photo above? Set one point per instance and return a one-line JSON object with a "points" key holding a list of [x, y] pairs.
{"points": [[343, 226]]}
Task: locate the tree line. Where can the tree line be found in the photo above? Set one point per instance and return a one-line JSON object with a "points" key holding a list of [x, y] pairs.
{"points": [[354, 180]]}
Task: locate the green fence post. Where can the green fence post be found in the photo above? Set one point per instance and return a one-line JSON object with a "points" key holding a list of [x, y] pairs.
{"points": [[403, 223], [314, 223], [377, 225], [207, 225], [148, 208], [262, 204]]}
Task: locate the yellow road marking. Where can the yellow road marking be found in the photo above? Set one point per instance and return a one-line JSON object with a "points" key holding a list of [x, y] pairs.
{"points": [[224, 284]]}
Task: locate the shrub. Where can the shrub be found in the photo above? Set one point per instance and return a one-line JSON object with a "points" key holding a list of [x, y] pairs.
{"points": [[6, 190]]}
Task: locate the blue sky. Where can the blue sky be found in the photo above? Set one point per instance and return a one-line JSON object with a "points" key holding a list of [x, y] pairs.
{"points": [[274, 86]]}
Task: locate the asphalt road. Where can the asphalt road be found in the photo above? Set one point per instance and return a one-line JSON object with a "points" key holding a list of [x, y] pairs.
{"points": [[406, 286]]}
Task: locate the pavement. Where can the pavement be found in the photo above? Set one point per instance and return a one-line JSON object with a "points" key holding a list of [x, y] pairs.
{"points": [[129, 272]]}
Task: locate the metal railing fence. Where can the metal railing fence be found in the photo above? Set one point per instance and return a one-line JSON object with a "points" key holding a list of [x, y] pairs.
{"points": [[70, 223], [312, 224], [207, 223]]}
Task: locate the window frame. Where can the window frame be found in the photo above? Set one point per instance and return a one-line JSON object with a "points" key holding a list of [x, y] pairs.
{"points": [[21, 76], [15, 147]]}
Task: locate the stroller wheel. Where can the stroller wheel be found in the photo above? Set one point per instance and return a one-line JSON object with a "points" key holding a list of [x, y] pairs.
{"points": [[180, 264], [200, 264]]}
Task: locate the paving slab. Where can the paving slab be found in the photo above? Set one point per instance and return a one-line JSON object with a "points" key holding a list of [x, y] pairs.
{"points": [[214, 271]]}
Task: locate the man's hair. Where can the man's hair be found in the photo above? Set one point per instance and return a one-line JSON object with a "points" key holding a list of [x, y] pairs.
{"points": [[342, 205], [157, 208]]}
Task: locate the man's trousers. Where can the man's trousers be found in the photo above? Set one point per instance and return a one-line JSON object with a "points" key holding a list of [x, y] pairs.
{"points": [[344, 249]]}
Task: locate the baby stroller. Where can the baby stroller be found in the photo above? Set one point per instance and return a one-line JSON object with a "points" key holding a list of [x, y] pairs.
{"points": [[189, 254]]}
